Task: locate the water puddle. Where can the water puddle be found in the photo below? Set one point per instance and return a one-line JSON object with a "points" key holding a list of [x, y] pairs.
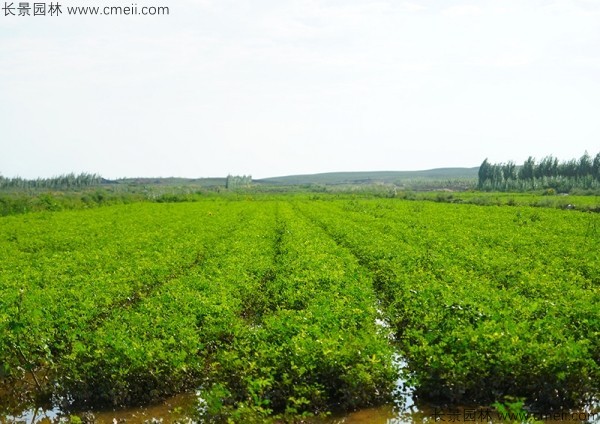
{"points": [[184, 408], [181, 409], [176, 409], [473, 415]]}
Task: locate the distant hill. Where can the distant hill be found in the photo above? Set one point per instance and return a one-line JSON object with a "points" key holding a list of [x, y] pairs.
{"points": [[373, 177], [431, 178]]}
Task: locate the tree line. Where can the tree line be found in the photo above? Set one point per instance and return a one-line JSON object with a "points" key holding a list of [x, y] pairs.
{"points": [[548, 173], [65, 181], [236, 181]]}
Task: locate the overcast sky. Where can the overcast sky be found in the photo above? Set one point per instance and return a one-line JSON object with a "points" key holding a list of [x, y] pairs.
{"points": [[276, 87]]}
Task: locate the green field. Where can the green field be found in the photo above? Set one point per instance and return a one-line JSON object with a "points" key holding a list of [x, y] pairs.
{"points": [[297, 305]]}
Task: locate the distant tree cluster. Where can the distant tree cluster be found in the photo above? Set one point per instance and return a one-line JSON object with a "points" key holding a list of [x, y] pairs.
{"points": [[581, 173], [61, 182], [235, 181]]}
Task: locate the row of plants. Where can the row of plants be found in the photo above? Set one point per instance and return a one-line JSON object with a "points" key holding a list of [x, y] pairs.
{"points": [[247, 302], [23, 202], [485, 303], [167, 342], [312, 344], [271, 308], [62, 274]]}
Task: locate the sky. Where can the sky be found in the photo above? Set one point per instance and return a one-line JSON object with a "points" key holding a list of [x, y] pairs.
{"points": [[276, 87]]}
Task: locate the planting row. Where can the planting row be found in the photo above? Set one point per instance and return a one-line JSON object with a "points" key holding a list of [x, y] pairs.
{"points": [[484, 302], [270, 308], [62, 274], [248, 302]]}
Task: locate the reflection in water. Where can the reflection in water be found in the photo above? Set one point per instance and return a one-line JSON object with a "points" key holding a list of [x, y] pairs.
{"points": [[182, 409], [471, 415], [177, 408]]}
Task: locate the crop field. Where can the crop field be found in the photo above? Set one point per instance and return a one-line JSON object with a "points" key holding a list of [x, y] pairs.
{"points": [[290, 306]]}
